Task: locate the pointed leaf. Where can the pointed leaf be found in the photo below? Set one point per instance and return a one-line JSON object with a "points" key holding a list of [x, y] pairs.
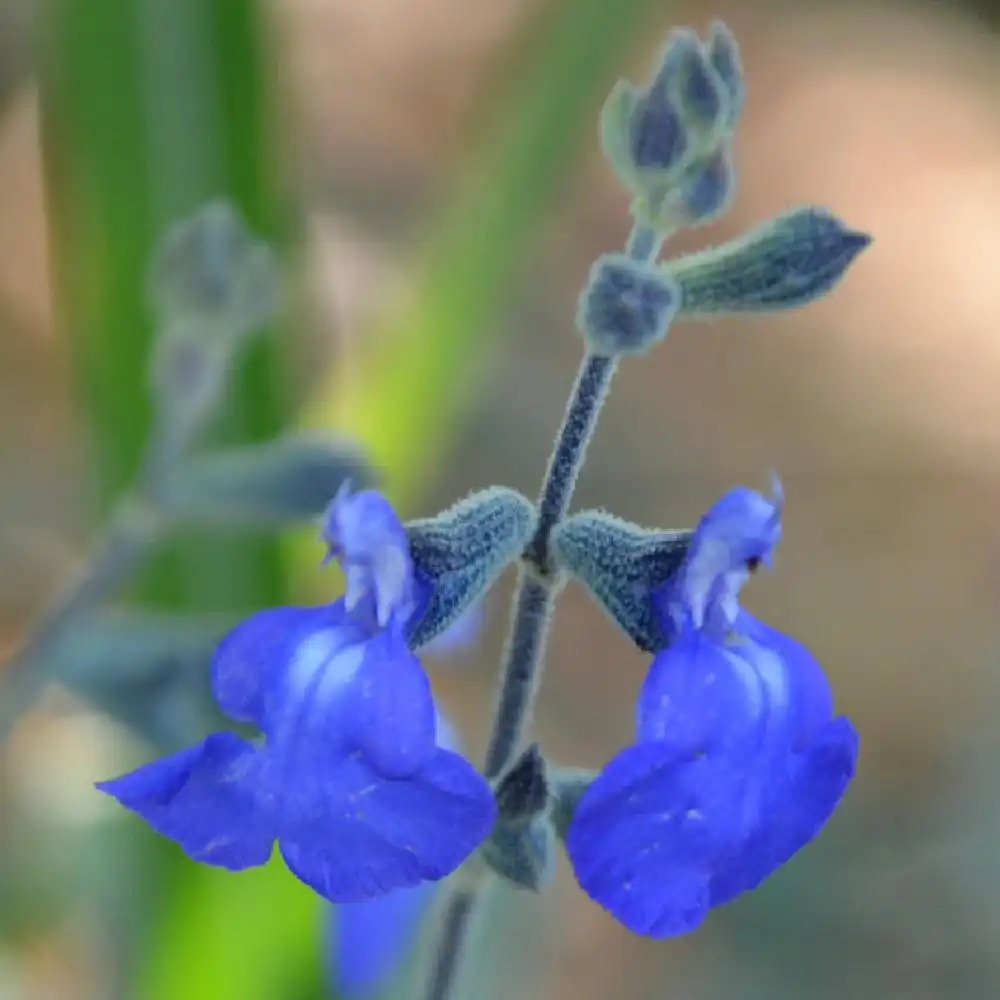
{"points": [[786, 262]]}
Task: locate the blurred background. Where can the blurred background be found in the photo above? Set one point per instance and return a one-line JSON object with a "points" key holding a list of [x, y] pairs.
{"points": [[430, 175]]}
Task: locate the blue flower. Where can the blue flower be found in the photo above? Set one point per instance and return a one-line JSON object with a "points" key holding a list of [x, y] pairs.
{"points": [[738, 760], [351, 778]]}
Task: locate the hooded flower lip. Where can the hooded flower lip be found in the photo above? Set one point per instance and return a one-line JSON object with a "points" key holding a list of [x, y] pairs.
{"points": [[737, 533], [351, 779], [365, 535], [738, 760]]}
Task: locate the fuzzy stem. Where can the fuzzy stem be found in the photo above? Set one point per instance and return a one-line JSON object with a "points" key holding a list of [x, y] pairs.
{"points": [[539, 581], [523, 657], [644, 243], [536, 592], [585, 404]]}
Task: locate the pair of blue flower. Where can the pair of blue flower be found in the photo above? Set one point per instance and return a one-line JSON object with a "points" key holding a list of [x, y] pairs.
{"points": [[738, 759]]}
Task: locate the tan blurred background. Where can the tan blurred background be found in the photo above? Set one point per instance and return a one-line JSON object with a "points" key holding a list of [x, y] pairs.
{"points": [[879, 407]]}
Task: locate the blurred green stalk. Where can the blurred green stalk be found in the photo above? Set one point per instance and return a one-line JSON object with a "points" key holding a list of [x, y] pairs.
{"points": [[149, 109]]}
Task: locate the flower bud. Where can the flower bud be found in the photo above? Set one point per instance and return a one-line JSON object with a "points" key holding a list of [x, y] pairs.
{"points": [[627, 306]]}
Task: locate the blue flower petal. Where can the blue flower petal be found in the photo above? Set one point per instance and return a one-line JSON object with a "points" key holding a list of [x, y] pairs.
{"points": [[737, 533], [809, 694], [448, 737], [205, 799], [702, 696], [308, 701], [365, 534], [393, 719], [352, 834], [255, 656], [370, 939], [650, 832], [797, 802]]}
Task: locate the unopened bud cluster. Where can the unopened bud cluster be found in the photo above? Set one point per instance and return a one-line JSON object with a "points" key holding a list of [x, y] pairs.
{"points": [[670, 143], [671, 146]]}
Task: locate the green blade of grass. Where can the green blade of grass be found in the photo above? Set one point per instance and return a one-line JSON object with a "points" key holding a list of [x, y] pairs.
{"points": [[149, 110]]}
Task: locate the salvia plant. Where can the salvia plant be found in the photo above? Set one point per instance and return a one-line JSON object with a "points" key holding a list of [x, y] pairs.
{"points": [[737, 758]]}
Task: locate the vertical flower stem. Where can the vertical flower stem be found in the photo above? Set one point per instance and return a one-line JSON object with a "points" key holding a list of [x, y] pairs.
{"points": [[585, 404], [525, 648], [536, 592], [532, 612], [644, 243], [523, 656]]}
